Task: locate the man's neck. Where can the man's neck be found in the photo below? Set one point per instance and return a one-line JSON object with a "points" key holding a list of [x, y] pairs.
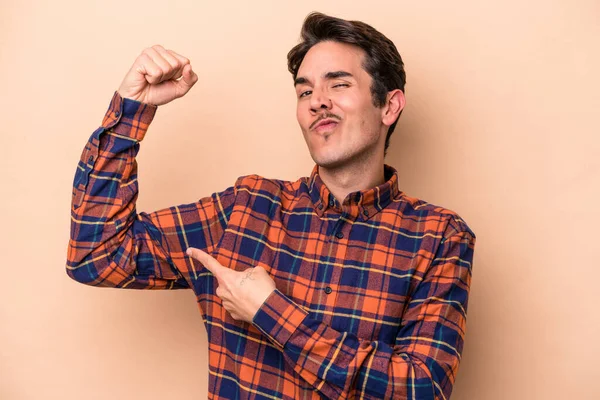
{"points": [[353, 177]]}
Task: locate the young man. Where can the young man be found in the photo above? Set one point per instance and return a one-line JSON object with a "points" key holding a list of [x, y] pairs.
{"points": [[337, 285]]}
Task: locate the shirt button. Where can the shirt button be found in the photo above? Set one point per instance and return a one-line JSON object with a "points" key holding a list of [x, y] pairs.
{"points": [[366, 213], [90, 159], [339, 235], [331, 203], [328, 290], [320, 206], [117, 113]]}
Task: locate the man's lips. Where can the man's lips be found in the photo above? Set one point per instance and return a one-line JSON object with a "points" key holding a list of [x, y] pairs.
{"points": [[325, 125]]}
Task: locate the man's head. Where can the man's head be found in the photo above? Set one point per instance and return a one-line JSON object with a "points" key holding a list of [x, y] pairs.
{"points": [[350, 74]]}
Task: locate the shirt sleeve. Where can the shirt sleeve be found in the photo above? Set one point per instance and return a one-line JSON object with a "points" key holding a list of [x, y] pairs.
{"points": [[111, 244], [423, 361]]}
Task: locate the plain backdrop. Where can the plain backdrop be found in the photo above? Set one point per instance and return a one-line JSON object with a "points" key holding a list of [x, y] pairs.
{"points": [[500, 126]]}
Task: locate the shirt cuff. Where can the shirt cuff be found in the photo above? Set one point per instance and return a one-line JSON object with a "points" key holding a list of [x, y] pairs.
{"points": [[128, 117], [279, 317]]}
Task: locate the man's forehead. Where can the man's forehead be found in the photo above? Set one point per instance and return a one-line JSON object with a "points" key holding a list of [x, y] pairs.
{"points": [[328, 57]]}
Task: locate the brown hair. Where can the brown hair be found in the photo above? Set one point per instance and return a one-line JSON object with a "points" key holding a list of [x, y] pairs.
{"points": [[382, 61]]}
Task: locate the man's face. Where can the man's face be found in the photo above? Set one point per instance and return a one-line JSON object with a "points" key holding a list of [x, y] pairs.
{"points": [[332, 85]]}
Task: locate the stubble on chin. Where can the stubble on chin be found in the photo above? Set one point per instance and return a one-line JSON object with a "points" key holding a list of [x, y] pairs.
{"points": [[337, 161], [330, 160]]}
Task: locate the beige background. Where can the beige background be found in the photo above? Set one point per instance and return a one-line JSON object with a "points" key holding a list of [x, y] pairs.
{"points": [[501, 126]]}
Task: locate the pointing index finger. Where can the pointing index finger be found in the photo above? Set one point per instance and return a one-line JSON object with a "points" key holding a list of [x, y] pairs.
{"points": [[206, 259]]}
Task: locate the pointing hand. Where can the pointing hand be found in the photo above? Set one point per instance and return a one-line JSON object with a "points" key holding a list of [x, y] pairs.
{"points": [[242, 292]]}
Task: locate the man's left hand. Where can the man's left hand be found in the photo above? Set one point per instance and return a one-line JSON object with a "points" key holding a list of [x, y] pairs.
{"points": [[242, 292]]}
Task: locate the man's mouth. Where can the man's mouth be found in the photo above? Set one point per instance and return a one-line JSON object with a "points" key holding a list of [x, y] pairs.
{"points": [[325, 125], [328, 126]]}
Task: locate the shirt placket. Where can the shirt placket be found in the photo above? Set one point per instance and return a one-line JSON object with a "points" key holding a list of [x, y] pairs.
{"points": [[337, 242]]}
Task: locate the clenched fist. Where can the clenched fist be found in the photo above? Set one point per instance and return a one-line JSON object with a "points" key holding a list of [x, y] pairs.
{"points": [[158, 76]]}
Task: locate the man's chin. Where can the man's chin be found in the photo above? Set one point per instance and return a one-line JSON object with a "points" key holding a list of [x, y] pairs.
{"points": [[329, 161]]}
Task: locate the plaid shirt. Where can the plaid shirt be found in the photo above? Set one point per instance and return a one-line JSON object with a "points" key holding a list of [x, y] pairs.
{"points": [[371, 294]]}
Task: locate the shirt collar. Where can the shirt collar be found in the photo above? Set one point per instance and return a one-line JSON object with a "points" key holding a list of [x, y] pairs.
{"points": [[361, 204]]}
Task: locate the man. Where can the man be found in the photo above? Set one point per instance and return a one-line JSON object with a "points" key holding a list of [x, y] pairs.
{"points": [[337, 285]]}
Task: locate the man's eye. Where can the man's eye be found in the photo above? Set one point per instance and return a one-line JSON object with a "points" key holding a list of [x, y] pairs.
{"points": [[341, 84], [304, 93]]}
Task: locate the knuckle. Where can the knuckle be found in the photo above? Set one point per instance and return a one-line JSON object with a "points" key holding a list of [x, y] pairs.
{"points": [[180, 58], [154, 71]]}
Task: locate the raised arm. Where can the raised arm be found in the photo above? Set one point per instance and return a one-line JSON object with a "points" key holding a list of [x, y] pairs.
{"points": [[110, 243]]}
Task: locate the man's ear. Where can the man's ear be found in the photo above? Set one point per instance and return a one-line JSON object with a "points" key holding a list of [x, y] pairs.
{"points": [[393, 106]]}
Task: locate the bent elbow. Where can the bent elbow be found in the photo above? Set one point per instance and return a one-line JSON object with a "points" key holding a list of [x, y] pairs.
{"points": [[82, 274]]}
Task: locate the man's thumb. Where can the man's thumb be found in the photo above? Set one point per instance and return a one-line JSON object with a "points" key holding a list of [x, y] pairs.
{"points": [[188, 78]]}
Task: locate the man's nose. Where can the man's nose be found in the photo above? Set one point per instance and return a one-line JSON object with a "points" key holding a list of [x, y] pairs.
{"points": [[320, 100]]}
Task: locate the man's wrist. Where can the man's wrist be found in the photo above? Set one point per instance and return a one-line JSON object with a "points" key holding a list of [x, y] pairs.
{"points": [[127, 117]]}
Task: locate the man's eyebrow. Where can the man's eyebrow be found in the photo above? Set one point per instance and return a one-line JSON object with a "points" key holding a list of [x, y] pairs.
{"points": [[329, 75], [300, 81], [337, 74]]}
